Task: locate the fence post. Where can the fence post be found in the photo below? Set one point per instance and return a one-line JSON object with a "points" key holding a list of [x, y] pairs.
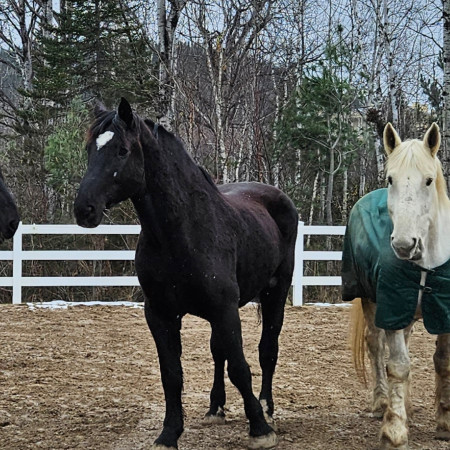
{"points": [[297, 297], [17, 266]]}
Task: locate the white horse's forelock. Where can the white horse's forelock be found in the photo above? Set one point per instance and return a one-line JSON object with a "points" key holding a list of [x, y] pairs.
{"points": [[103, 139], [410, 153]]}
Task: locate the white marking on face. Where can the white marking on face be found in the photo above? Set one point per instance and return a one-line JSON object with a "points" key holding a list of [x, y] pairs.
{"points": [[115, 174], [104, 139]]}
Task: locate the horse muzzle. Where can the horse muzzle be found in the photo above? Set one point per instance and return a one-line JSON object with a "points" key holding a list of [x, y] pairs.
{"points": [[9, 224], [87, 214], [408, 249]]}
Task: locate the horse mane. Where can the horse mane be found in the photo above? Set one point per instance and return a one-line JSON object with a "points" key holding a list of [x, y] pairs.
{"points": [[105, 119], [412, 154], [102, 121], [161, 131]]}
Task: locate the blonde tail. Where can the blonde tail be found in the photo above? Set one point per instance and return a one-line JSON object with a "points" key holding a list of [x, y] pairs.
{"points": [[357, 339]]}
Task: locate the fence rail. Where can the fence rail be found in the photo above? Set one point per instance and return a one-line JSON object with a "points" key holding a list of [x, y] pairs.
{"points": [[17, 255]]}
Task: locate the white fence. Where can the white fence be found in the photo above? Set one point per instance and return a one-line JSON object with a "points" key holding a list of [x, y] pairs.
{"points": [[299, 280], [18, 255]]}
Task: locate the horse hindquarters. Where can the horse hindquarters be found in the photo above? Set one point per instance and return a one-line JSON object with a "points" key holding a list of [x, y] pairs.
{"points": [[442, 366]]}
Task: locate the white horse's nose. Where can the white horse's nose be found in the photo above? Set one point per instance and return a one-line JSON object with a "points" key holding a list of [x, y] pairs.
{"points": [[404, 247]]}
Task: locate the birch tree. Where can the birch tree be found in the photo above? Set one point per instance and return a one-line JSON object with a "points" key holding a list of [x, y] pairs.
{"points": [[227, 31], [446, 90], [18, 22], [169, 12]]}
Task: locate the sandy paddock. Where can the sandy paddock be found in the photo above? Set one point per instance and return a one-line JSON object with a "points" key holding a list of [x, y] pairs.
{"points": [[88, 377]]}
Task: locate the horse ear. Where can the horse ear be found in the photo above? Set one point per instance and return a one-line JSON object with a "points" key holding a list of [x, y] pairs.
{"points": [[432, 139], [99, 107], [125, 112], [391, 139]]}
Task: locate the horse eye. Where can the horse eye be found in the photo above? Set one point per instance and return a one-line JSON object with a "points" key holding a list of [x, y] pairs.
{"points": [[429, 181], [389, 180], [123, 151]]}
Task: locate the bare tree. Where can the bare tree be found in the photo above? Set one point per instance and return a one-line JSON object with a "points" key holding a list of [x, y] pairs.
{"points": [[168, 17], [18, 21], [226, 32], [446, 90]]}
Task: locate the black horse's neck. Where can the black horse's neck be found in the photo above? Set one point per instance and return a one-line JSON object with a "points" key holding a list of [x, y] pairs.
{"points": [[176, 187]]}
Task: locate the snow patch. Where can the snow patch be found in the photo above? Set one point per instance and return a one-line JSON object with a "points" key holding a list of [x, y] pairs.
{"points": [[61, 304], [339, 305]]}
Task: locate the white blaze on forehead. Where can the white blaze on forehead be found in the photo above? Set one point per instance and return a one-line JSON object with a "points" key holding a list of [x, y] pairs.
{"points": [[103, 139]]}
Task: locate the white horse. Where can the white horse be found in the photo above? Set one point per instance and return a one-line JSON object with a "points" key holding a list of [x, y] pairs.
{"points": [[419, 209]]}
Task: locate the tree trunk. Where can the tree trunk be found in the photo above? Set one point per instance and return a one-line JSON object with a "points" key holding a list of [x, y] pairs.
{"points": [[390, 62], [313, 201], [345, 196], [446, 94], [167, 24]]}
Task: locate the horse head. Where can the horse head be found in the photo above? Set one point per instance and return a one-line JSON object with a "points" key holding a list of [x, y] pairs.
{"points": [[416, 190], [115, 164], [9, 217]]}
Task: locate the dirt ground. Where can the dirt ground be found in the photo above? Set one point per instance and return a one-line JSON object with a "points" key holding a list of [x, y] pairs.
{"points": [[88, 377]]}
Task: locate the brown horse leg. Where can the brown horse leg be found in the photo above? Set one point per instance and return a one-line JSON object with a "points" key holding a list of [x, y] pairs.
{"points": [[394, 431], [376, 340], [442, 366], [228, 334]]}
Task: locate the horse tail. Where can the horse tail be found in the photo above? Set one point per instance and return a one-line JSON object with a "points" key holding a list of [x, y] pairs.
{"points": [[357, 341]]}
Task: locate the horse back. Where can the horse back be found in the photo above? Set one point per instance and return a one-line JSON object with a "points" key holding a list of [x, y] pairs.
{"points": [[262, 205]]}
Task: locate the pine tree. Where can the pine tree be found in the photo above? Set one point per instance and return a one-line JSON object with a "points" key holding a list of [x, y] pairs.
{"points": [[96, 51]]}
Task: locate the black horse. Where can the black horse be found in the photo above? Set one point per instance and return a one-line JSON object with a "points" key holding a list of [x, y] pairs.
{"points": [[203, 250], [9, 216]]}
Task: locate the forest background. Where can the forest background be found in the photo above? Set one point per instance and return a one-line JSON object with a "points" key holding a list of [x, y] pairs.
{"points": [[287, 92]]}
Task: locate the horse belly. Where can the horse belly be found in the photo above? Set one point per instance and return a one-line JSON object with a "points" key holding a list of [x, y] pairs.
{"points": [[258, 273]]}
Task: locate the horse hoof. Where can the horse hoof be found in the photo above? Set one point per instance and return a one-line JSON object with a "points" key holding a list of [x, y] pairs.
{"points": [[389, 446], [260, 442], [213, 419], [443, 435]]}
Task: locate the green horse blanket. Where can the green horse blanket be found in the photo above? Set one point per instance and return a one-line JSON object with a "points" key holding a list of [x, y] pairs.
{"points": [[371, 270]]}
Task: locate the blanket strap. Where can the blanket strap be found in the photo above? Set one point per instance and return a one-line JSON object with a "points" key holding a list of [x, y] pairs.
{"points": [[425, 289]]}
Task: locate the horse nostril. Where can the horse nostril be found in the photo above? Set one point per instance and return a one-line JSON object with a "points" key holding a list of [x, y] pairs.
{"points": [[89, 209], [404, 246]]}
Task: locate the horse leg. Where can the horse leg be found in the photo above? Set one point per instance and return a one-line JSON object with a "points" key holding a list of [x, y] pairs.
{"points": [[227, 332], [376, 340], [442, 367], [216, 413], [166, 334], [394, 431], [273, 301]]}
